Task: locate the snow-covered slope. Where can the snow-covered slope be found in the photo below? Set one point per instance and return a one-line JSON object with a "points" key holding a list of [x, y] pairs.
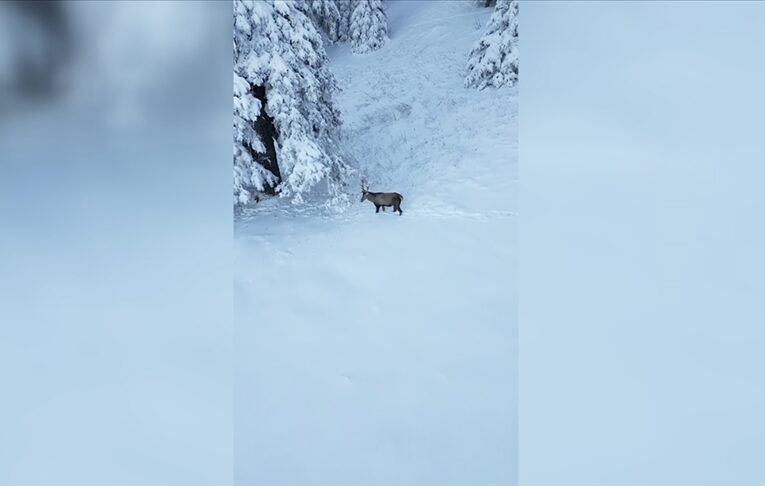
{"points": [[377, 348]]}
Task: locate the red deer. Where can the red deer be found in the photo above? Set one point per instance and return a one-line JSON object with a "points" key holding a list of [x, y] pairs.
{"points": [[382, 199]]}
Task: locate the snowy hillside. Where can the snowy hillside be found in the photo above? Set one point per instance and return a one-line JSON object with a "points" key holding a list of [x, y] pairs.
{"points": [[377, 348]]}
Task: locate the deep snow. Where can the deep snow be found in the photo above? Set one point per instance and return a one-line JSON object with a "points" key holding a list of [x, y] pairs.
{"points": [[377, 348]]}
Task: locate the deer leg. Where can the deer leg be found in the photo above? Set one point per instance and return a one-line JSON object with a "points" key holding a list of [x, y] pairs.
{"points": [[377, 208], [383, 208]]}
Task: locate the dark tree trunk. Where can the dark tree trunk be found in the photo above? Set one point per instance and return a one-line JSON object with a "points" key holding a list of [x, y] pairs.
{"points": [[264, 126]]}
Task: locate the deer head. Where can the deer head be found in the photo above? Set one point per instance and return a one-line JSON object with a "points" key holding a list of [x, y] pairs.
{"points": [[364, 188]]}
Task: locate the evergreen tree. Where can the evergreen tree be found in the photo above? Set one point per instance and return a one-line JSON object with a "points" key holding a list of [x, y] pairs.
{"points": [[285, 119], [256, 170], [368, 27], [327, 17], [493, 61], [344, 8]]}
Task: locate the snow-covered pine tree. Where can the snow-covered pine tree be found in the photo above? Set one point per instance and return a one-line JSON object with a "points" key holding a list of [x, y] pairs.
{"points": [[344, 8], [369, 26], [327, 17], [493, 61], [256, 171], [285, 120]]}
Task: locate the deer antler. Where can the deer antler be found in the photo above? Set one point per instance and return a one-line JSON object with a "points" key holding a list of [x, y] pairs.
{"points": [[364, 185]]}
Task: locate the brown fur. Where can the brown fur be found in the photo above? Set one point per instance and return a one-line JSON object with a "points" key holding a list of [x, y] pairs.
{"points": [[383, 200]]}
